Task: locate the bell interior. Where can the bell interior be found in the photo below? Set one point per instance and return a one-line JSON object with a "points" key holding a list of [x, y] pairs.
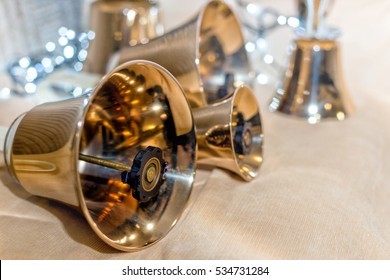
{"points": [[247, 133], [136, 106]]}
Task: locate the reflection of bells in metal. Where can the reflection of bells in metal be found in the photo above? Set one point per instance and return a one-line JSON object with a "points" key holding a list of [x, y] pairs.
{"points": [[313, 86], [117, 24], [124, 154], [206, 55], [230, 134]]}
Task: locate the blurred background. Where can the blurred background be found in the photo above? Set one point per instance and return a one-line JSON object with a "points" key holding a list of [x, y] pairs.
{"points": [[27, 25], [324, 189]]}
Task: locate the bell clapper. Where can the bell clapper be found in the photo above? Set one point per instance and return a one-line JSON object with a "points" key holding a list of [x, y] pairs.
{"points": [[105, 162], [145, 174]]}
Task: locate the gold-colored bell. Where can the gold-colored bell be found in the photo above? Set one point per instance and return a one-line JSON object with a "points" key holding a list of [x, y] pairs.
{"points": [[313, 87], [230, 134], [207, 55], [123, 154], [118, 24]]}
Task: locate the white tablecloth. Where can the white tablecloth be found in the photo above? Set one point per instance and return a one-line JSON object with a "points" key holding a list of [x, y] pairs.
{"points": [[323, 190]]}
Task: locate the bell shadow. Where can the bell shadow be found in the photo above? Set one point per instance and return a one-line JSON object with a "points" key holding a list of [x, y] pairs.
{"points": [[72, 219], [227, 173]]}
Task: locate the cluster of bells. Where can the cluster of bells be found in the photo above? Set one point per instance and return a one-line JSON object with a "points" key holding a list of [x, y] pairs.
{"points": [[126, 152]]}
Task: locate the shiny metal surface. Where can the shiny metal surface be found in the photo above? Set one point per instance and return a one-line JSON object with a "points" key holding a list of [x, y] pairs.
{"points": [[311, 14], [314, 20], [137, 105], [230, 134], [313, 87], [207, 55], [120, 23]]}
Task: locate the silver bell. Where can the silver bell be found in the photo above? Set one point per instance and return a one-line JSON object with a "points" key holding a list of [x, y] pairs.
{"points": [[313, 86]]}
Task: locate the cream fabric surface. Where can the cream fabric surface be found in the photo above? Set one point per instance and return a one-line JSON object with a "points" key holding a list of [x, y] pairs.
{"points": [[323, 190]]}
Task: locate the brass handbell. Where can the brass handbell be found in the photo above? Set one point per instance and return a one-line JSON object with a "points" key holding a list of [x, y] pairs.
{"points": [[207, 55], [124, 154], [230, 134], [118, 24], [313, 87]]}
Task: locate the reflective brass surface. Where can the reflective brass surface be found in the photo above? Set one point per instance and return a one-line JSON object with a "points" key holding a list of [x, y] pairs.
{"points": [[40, 150], [137, 105], [117, 24], [313, 87], [230, 134], [207, 55]]}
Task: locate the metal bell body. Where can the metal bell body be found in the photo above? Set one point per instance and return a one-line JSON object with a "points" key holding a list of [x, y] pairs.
{"points": [[313, 87], [118, 24], [137, 105], [230, 134], [207, 55]]}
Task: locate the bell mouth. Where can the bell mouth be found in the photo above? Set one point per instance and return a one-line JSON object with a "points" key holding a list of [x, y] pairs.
{"points": [[221, 56], [136, 106], [247, 133]]}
